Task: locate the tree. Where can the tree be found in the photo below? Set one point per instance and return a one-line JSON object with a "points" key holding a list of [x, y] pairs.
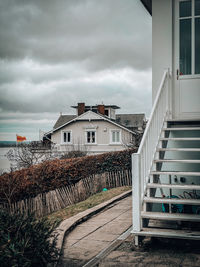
{"points": [[25, 155], [74, 150]]}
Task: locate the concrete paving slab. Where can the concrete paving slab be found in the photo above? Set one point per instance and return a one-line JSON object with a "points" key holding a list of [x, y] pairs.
{"points": [[76, 253], [67, 225], [81, 231], [97, 223], [70, 242], [126, 216], [113, 227], [111, 214], [101, 235], [85, 249], [100, 219], [94, 235]]}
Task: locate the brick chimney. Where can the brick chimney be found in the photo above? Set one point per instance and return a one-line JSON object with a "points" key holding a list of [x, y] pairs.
{"points": [[101, 109], [81, 108]]}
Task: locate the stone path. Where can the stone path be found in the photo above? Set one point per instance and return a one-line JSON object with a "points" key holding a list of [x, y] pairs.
{"points": [[92, 236]]}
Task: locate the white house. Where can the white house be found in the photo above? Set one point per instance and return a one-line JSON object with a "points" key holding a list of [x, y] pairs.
{"points": [[166, 169], [96, 129]]}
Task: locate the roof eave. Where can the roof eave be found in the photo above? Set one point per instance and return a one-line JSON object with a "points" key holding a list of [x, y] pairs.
{"points": [[148, 5], [103, 118]]}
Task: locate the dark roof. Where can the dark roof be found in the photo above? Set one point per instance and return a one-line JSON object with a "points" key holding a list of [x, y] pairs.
{"points": [[148, 5], [93, 107], [63, 119], [131, 120]]}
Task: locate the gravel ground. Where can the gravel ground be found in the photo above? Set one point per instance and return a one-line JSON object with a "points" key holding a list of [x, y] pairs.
{"points": [[155, 252]]}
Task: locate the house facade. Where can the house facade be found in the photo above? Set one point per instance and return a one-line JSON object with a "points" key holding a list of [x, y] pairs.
{"points": [[166, 169], [96, 129]]}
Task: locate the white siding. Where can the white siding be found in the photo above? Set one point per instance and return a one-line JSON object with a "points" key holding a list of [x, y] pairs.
{"points": [[103, 131], [161, 41]]}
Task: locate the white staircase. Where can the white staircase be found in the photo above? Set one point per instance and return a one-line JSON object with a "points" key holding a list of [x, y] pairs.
{"points": [[171, 203], [166, 173]]}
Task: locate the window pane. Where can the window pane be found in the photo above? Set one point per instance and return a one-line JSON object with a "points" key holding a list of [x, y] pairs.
{"points": [[113, 137], [197, 46], [185, 9], [68, 137], [65, 137], [93, 137], [185, 46], [117, 137], [197, 7], [88, 137]]}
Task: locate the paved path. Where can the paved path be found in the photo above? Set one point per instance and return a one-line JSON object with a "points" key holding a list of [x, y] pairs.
{"points": [[94, 235]]}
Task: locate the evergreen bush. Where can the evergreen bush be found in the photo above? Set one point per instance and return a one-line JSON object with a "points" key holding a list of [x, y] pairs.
{"points": [[25, 241]]}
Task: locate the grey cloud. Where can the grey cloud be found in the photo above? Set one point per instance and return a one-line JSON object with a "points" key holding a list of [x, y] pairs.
{"points": [[99, 33], [54, 54], [59, 96]]}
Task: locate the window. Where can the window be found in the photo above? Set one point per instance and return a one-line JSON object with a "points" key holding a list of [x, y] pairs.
{"points": [[107, 112], [67, 137], [189, 36], [115, 136], [90, 137]]}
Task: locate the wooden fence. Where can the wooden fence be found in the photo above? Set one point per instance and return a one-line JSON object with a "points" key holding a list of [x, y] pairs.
{"points": [[44, 204]]}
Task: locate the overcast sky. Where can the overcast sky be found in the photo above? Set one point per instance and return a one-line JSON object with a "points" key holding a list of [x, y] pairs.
{"points": [[54, 54]]}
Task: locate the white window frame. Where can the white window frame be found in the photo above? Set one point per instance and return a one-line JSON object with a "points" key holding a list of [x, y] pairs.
{"points": [[111, 137], [95, 136], [62, 137]]}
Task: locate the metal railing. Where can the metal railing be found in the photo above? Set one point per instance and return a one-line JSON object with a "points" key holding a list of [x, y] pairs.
{"points": [[142, 161]]}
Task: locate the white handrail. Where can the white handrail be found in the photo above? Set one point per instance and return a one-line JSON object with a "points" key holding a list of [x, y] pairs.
{"points": [[142, 161], [152, 111]]}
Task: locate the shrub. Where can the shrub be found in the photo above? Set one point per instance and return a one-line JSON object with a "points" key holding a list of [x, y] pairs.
{"points": [[53, 174], [73, 154], [24, 241]]}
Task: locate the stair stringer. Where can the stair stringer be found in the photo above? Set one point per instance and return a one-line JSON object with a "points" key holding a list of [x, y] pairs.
{"points": [[161, 148], [156, 178]]}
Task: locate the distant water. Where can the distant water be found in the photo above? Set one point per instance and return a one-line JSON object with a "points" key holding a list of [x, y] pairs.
{"points": [[4, 162]]}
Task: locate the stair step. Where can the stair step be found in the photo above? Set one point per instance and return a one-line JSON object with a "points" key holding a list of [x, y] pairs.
{"points": [[182, 129], [174, 186], [171, 216], [180, 234], [172, 200], [181, 139], [175, 173], [179, 149], [177, 160]]}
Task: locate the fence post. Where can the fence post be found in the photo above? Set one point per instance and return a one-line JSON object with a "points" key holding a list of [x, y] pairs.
{"points": [[136, 189]]}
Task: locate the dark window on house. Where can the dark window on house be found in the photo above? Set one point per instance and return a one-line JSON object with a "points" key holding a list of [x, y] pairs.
{"points": [[67, 137], [106, 112], [91, 137], [197, 7], [127, 122], [185, 9], [197, 46], [185, 47]]}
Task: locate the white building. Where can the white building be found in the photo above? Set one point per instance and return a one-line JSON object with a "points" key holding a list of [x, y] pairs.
{"points": [[96, 129], [166, 169]]}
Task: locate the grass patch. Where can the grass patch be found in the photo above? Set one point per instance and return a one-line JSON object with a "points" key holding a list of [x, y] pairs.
{"points": [[59, 216]]}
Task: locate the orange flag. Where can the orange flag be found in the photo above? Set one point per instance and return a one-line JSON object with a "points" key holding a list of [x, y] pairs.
{"points": [[20, 138]]}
